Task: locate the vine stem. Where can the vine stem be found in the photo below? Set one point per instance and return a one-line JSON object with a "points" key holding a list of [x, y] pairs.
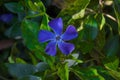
{"points": [[111, 17]]}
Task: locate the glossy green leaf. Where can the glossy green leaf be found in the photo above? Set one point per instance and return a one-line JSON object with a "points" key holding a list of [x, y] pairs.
{"points": [[46, 58], [44, 23], [102, 22], [87, 73], [90, 28], [115, 74], [42, 66], [14, 7], [19, 60], [103, 72], [75, 9], [37, 6], [40, 6], [14, 31], [63, 71], [36, 9], [21, 70], [79, 14], [32, 5], [33, 14], [30, 34], [112, 46], [111, 63]]}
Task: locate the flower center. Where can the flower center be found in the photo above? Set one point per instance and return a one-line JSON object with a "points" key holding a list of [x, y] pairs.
{"points": [[57, 37]]}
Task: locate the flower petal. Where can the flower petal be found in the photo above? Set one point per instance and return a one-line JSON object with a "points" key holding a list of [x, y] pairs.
{"points": [[70, 33], [56, 25], [44, 36], [6, 17], [66, 48], [51, 48]]}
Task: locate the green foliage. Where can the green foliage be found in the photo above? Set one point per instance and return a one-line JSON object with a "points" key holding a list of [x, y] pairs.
{"points": [[14, 7], [117, 11], [30, 30], [14, 31], [21, 70], [87, 73], [73, 10], [96, 55], [112, 46], [63, 71], [90, 28]]}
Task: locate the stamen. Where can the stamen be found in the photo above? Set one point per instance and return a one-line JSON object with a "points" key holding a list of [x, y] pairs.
{"points": [[58, 38]]}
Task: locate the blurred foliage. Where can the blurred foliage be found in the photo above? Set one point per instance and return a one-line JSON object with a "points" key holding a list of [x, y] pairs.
{"points": [[97, 51]]}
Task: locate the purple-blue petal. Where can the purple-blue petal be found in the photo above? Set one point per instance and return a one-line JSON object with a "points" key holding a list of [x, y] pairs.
{"points": [[51, 48], [44, 36], [66, 48], [70, 33], [6, 17], [56, 25]]}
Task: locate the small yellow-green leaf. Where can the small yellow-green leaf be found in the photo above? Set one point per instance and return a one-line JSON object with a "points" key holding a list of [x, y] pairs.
{"points": [[102, 22], [63, 71], [79, 14]]}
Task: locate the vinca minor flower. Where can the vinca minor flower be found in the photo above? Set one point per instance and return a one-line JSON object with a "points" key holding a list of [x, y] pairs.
{"points": [[57, 38], [6, 17]]}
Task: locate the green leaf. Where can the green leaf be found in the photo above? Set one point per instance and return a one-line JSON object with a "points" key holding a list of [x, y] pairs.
{"points": [[14, 7], [75, 9], [42, 66], [104, 72], [30, 31], [101, 19], [31, 78], [40, 6], [112, 46], [79, 14], [87, 73], [100, 40], [90, 28], [102, 22], [14, 31], [19, 60], [44, 23], [114, 74], [37, 6], [10, 60], [30, 34], [85, 46], [111, 63], [32, 5], [117, 12], [73, 60], [33, 58], [21, 70], [46, 58], [63, 71]]}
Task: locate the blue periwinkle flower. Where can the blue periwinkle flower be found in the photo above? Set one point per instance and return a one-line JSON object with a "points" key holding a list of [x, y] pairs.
{"points": [[6, 17], [57, 38]]}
